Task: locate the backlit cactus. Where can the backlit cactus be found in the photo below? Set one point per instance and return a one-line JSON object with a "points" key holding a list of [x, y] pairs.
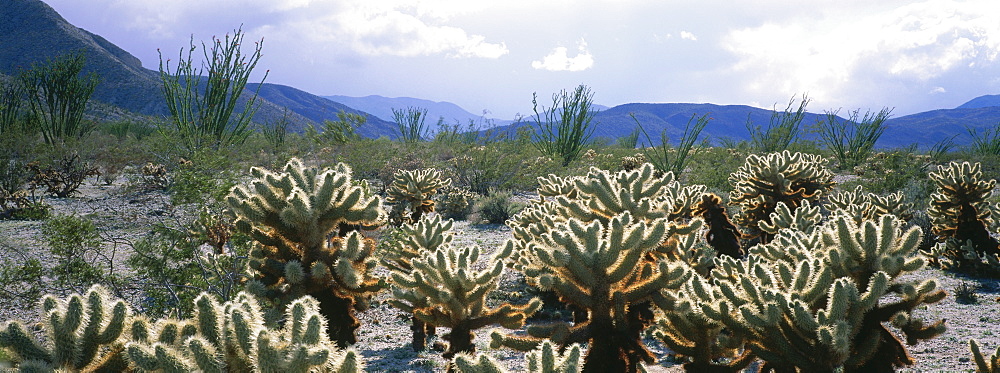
{"points": [[820, 301], [454, 203], [233, 337], [984, 364], [862, 206], [543, 359], [414, 191], [764, 181], [959, 212], [454, 295], [427, 235], [304, 221], [83, 331]]}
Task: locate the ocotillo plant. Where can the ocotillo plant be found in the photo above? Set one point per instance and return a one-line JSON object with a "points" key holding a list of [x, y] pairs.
{"points": [[414, 191], [821, 301], [232, 337], [83, 331], [427, 235], [57, 96], [291, 215], [763, 181], [455, 294], [959, 210], [543, 359]]}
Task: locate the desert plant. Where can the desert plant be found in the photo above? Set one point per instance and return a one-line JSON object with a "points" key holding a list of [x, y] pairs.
{"points": [[410, 122], [987, 143], [629, 141], [234, 337], [862, 206], [821, 301], [982, 364], [454, 203], [291, 215], [83, 333], [414, 191], [781, 131], [959, 209], [564, 128], [201, 108], [426, 235], [764, 181], [58, 95], [631, 162], [722, 235], [11, 100], [852, 140], [664, 156], [76, 246], [496, 207], [275, 131], [484, 168], [455, 293], [63, 177], [543, 359], [338, 131]]}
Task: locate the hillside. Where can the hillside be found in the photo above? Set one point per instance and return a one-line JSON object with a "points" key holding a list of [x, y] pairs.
{"points": [[32, 32]]}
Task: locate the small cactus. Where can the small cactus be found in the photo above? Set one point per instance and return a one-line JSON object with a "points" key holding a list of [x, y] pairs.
{"points": [[959, 211], [414, 191], [543, 359]]}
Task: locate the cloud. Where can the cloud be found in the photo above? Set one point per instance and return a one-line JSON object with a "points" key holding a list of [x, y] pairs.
{"points": [[559, 59], [835, 55], [688, 36]]}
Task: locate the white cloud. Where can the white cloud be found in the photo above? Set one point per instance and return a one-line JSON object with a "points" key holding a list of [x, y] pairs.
{"points": [[833, 55], [938, 90], [559, 59], [686, 35]]}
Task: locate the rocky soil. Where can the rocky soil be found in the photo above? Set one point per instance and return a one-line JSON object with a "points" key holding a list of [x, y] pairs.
{"points": [[385, 333]]}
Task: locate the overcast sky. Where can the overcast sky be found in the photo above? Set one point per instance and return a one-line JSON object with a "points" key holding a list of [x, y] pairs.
{"points": [[492, 54]]}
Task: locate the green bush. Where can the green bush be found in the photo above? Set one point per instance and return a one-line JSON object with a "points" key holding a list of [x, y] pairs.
{"points": [[58, 95], [76, 245], [497, 207], [781, 131], [563, 129]]}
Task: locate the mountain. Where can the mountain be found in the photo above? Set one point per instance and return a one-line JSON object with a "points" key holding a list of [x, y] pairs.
{"points": [[32, 32], [981, 102], [929, 127], [382, 108]]}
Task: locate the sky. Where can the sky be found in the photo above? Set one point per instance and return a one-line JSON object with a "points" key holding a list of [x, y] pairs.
{"points": [[492, 55]]}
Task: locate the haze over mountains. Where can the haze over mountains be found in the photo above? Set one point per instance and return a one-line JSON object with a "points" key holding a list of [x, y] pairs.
{"points": [[31, 32]]}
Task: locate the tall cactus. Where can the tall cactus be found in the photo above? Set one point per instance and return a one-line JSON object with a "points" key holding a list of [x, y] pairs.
{"points": [[427, 235], [414, 191], [83, 332], [455, 295], [233, 337], [819, 302], [764, 181], [292, 216]]}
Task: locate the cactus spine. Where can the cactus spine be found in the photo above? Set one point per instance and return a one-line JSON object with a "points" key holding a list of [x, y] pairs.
{"points": [[84, 333], [292, 215]]}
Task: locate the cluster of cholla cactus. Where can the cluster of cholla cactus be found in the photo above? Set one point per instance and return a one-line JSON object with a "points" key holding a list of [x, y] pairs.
{"points": [[306, 225], [862, 206], [604, 245], [426, 235], [962, 217], [543, 359], [818, 301], [413, 191], [232, 337], [83, 332], [631, 162], [764, 181], [96, 332]]}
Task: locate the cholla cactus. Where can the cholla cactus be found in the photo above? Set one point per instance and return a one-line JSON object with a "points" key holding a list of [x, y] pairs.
{"points": [[862, 206], [722, 234], [83, 332], [764, 181], [818, 302], [414, 190], [543, 359], [959, 210], [427, 235], [232, 337], [455, 295], [982, 365], [631, 162], [454, 202], [291, 215], [804, 219]]}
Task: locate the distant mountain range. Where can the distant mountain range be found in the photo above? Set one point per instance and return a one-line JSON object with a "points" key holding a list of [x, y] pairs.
{"points": [[32, 32]]}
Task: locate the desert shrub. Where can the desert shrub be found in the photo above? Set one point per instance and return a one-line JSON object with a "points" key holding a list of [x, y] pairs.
{"points": [[782, 130], [75, 243], [496, 207], [206, 177], [338, 131], [893, 171], [455, 203], [21, 274], [486, 167], [711, 167], [57, 96], [61, 177], [665, 157], [564, 128]]}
